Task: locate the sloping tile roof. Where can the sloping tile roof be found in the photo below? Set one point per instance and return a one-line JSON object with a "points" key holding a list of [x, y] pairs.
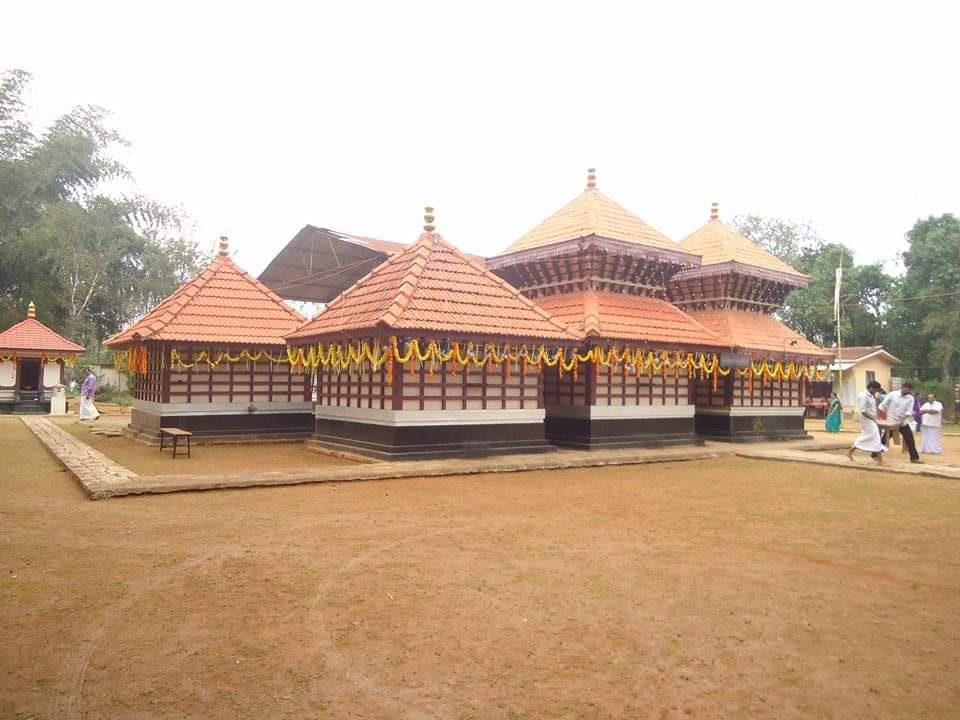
{"points": [[756, 332], [31, 334], [433, 287], [222, 305], [592, 213], [718, 243], [859, 352], [617, 316]]}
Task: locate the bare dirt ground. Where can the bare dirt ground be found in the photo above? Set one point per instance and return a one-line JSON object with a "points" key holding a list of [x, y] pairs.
{"points": [[712, 589], [204, 459]]}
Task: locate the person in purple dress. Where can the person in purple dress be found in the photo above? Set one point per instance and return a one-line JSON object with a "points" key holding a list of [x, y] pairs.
{"points": [[88, 411]]}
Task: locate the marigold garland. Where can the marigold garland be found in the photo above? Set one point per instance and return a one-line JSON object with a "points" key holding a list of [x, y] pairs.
{"points": [[355, 355]]}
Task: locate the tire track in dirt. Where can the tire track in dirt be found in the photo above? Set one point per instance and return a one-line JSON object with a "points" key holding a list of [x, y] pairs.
{"points": [[67, 700], [389, 700]]}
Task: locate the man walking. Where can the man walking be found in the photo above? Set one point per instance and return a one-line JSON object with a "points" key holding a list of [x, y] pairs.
{"points": [[869, 438], [899, 408]]}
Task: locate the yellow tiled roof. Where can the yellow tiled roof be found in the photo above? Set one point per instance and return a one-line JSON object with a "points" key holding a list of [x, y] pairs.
{"points": [[592, 213], [718, 243]]}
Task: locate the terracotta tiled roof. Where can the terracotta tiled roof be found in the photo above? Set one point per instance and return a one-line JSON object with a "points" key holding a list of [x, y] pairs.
{"points": [[617, 316], [31, 334], [222, 305], [858, 352], [592, 213], [433, 287], [718, 243], [753, 332]]}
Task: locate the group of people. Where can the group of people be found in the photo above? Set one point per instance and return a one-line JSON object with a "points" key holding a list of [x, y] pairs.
{"points": [[897, 414]]}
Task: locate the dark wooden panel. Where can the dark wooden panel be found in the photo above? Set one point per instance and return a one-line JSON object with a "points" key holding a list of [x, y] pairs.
{"points": [[433, 441], [633, 432]]}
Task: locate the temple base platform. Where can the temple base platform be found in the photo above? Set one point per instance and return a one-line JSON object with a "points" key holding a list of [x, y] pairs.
{"points": [[750, 424], [25, 407], [209, 427], [587, 427], [413, 435]]}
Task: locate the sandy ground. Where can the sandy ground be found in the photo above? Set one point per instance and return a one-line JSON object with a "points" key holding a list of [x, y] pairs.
{"points": [[713, 589], [204, 459]]}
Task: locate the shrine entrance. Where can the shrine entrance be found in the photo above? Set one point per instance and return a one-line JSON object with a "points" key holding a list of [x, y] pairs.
{"points": [[29, 379]]}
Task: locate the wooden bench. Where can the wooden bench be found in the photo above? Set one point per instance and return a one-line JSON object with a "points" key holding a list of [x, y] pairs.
{"points": [[176, 434]]}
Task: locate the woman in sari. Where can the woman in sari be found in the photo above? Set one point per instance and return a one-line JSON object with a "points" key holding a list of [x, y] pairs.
{"points": [[88, 411], [834, 414]]}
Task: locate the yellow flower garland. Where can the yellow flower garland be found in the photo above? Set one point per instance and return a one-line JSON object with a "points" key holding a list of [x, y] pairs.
{"points": [[354, 355]]}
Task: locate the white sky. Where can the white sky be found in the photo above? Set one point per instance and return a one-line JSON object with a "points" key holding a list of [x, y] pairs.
{"points": [[261, 118]]}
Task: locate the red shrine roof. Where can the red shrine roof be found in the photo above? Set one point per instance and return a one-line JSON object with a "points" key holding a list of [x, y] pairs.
{"points": [[757, 332], [33, 335], [723, 248], [617, 316], [433, 287], [222, 305]]}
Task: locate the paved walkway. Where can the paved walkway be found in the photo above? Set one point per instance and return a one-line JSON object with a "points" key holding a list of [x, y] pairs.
{"points": [[817, 457], [101, 477]]}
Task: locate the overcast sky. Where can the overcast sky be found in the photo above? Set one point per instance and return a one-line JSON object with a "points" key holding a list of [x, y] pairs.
{"points": [[260, 118]]}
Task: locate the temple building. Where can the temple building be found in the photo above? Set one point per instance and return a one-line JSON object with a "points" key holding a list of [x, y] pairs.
{"points": [[32, 360], [734, 293], [431, 355], [212, 359], [604, 271]]}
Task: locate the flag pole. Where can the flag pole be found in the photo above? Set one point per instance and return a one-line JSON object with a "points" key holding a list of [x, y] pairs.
{"points": [[836, 317]]}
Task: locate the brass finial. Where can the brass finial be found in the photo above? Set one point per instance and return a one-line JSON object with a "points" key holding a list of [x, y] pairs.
{"points": [[714, 211], [428, 219], [591, 178], [224, 246], [31, 311]]}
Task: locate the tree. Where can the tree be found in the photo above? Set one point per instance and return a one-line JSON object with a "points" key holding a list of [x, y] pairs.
{"points": [[786, 239], [91, 262], [866, 290], [928, 303]]}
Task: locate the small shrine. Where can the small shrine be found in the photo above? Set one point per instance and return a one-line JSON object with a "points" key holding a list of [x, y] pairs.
{"points": [[430, 355], [734, 294], [211, 359], [32, 361], [604, 271]]}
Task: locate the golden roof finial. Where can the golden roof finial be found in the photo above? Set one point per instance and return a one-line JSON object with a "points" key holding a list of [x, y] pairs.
{"points": [[591, 178], [428, 219], [224, 246], [31, 311], [714, 211]]}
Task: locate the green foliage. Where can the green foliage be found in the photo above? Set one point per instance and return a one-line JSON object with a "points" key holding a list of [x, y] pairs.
{"points": [[928, 303], [866, 289], [90, 262]]}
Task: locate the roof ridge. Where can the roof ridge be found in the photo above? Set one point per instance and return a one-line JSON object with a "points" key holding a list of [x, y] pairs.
{"points": [[591, 312], [421, 251], [503, 283], [296, 314], [199, 281]]}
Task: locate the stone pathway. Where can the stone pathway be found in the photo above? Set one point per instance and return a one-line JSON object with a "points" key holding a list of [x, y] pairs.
{"points": [[100, 476], [823, 458]]}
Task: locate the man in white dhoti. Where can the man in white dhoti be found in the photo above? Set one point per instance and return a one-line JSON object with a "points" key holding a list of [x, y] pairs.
{"points": [[869, 438], [898, 406], [88, 411], [931, 441]]}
